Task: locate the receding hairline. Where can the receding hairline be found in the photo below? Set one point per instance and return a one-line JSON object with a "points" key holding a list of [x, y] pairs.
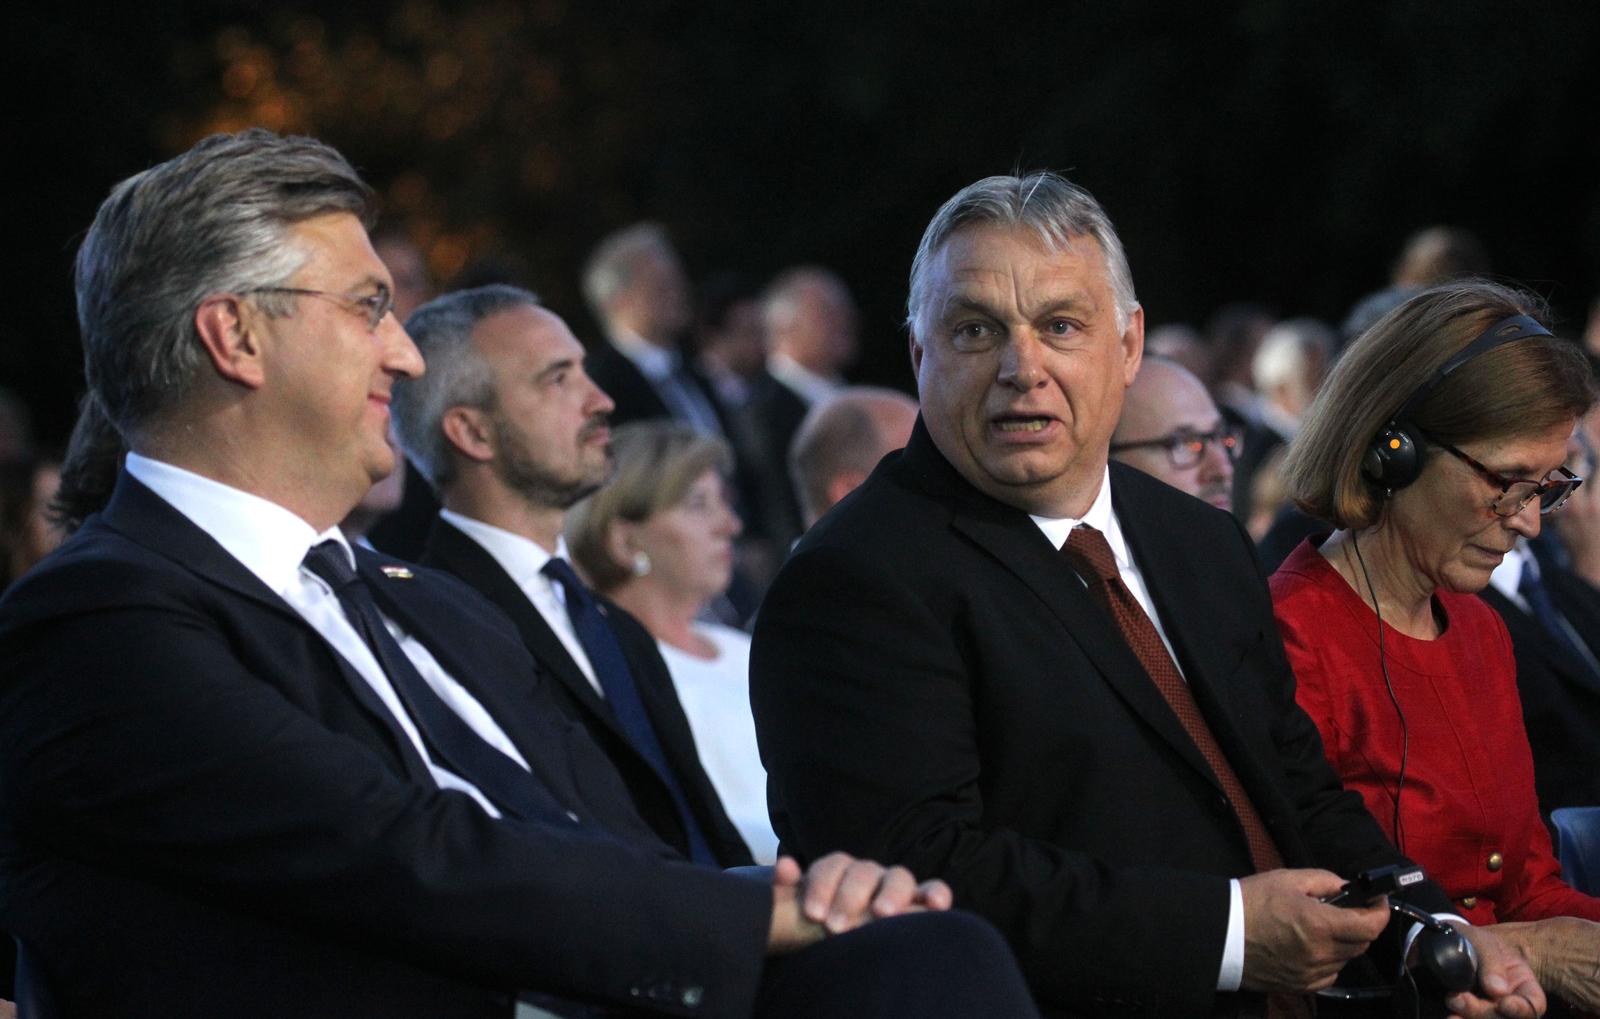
{"points": [[938, 269]]}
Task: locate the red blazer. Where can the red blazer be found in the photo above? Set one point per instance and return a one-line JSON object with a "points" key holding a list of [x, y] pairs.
{"points": [[1468, 813]]}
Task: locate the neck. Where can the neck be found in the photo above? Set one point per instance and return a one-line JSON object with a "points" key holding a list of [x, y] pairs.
{"points": [[498, 506], [668, 614], [1404, 597], [228, 455]]}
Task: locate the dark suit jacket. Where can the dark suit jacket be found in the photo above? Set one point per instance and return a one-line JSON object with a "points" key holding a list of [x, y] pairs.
{"points": [[934, 686], [1560, 695], [204, 812], [768, 424], [450, 550]]}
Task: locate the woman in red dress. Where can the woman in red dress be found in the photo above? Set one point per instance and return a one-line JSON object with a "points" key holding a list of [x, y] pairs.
{"points": [[1438, 440]]}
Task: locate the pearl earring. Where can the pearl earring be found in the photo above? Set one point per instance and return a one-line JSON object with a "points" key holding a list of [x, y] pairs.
{"points": [[641, 563]]}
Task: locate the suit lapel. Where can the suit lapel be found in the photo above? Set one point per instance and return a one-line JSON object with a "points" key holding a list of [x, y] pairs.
{"points": [[1011, 538], [453, 551], [145, 518]]}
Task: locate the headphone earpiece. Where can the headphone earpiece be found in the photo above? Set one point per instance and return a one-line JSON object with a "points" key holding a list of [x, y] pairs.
{"points": [[1394, 459]]}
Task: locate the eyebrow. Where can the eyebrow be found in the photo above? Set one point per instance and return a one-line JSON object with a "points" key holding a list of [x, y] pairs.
{"points": [[1076, 302], [564, 364]]}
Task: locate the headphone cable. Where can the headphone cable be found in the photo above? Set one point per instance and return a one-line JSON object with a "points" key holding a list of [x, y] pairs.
{"points": [[1383, 666]]}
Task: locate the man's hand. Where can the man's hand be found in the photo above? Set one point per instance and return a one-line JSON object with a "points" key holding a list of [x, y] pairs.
{"points": [[840, 893], [1293, 942], [1564, 954]]}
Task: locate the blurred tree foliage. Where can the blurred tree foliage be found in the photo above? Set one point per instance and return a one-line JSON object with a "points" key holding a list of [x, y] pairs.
{"points": [[1263, 150]]}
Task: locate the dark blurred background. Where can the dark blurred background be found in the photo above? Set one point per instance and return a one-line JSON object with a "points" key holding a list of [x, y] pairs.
{"points": [[1276, 152]]}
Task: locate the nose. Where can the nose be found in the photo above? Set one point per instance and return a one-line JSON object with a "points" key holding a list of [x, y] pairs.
{"points": [[400, 356], [1216, 463], [1526, 521], [599, 402], [1021, 363]]}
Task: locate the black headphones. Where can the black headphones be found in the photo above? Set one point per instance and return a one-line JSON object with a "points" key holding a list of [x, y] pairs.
{"points": [[1395, 457]]}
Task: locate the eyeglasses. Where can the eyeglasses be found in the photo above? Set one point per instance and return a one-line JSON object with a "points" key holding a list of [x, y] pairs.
{"points": [[1516, 493], [1186, 447], [373, 307]]}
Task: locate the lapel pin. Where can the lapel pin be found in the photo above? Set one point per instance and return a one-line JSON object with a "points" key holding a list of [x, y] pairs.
{"points": [[397, 572]]}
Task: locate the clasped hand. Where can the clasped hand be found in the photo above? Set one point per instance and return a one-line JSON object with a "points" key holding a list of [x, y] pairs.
{"points": [[839, 893]]}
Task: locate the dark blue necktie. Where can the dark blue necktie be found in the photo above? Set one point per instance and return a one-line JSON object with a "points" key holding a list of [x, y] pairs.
{"points": [[1555, 625], [616, 681], [450, 740]]}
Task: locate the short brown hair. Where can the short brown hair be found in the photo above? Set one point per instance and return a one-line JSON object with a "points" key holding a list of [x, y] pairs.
{"points": [[657, 461], [1524, 386]]}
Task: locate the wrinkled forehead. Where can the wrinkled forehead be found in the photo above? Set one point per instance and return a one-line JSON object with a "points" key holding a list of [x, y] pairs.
{"points": [[1018, 267]]}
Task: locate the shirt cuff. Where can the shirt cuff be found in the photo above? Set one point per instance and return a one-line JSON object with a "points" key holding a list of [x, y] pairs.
{"points": [[1232, 974]]}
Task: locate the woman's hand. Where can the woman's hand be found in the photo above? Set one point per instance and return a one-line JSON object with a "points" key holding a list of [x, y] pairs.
{"points": [[1565, 954]]}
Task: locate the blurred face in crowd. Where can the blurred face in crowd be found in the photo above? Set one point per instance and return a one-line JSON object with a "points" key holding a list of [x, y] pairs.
{"points": [[1171, 429], [817, 326], [1449, 535], [656, 302], [741, 342], [690, 544], [1021, 366], [549, 421]]}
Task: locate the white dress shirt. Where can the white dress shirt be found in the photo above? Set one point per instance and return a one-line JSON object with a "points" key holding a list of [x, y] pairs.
{"points": [[1101, 517], [523, 560], [807, 384], [271, 542]]}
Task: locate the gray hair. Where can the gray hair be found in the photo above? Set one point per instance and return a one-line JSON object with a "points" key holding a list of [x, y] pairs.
{"points": [[1047, 203], [213, 220], [457, 375], [615, 259]]}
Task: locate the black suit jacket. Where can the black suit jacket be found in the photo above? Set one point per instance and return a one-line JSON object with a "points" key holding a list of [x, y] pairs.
{"points": [[1560, 694], [934, 686], [203, 812], [450, 550], [768, 424]]}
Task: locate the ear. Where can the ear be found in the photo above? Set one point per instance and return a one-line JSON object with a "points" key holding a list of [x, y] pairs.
{"points": [[842, 484], [1133, 345], [229, 340], [620, 544], [916, 355], [470, 431]]}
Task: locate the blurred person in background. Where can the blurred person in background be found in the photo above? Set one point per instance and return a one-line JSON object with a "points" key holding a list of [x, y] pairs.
{"points": [[811, 339], [1181, 343], [1437, 254], [1440, 438], [731, 338], [657, 539], [637, 288], [1287, 371], [1170, 429], [842, 439], [28, 533]]}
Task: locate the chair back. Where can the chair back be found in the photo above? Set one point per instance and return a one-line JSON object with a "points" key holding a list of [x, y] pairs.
{"points": [[1578, 846]]}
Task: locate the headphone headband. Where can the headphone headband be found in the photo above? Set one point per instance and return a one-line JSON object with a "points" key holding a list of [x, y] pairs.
{"points": [[1512, 327]]}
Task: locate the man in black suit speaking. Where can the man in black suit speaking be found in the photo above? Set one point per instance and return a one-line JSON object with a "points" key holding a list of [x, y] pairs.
{"points": [[247, 771], [1058, 684]]}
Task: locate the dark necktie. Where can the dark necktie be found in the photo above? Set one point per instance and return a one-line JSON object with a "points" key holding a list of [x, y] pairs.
{"points": [[514, 791], [1560, 631], [616, 681], [1091, 557]]}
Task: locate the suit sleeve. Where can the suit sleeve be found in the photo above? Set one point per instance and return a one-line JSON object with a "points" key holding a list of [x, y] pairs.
{"points": [[134, 739], [863, 701]]}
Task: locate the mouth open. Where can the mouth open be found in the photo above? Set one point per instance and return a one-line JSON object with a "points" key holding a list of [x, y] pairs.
{"points": [[1022, 424]]}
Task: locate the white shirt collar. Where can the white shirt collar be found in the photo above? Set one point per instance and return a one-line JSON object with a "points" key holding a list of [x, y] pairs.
{"points": [[1508, 575], [807, 384], [522, 558], [268, 539], [1100, 517], [655, 362]]}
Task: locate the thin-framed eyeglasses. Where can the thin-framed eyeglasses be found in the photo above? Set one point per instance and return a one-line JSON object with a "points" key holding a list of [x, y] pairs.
{"points": [[372, 307], [1516, 493], [1186, 447]]}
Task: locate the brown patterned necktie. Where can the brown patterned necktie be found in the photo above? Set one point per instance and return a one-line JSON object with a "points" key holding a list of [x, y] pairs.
{"points": [[1091, 557]]}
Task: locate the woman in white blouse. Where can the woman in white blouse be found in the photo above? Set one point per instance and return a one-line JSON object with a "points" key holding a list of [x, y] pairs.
{"points": [[658, 540]]}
